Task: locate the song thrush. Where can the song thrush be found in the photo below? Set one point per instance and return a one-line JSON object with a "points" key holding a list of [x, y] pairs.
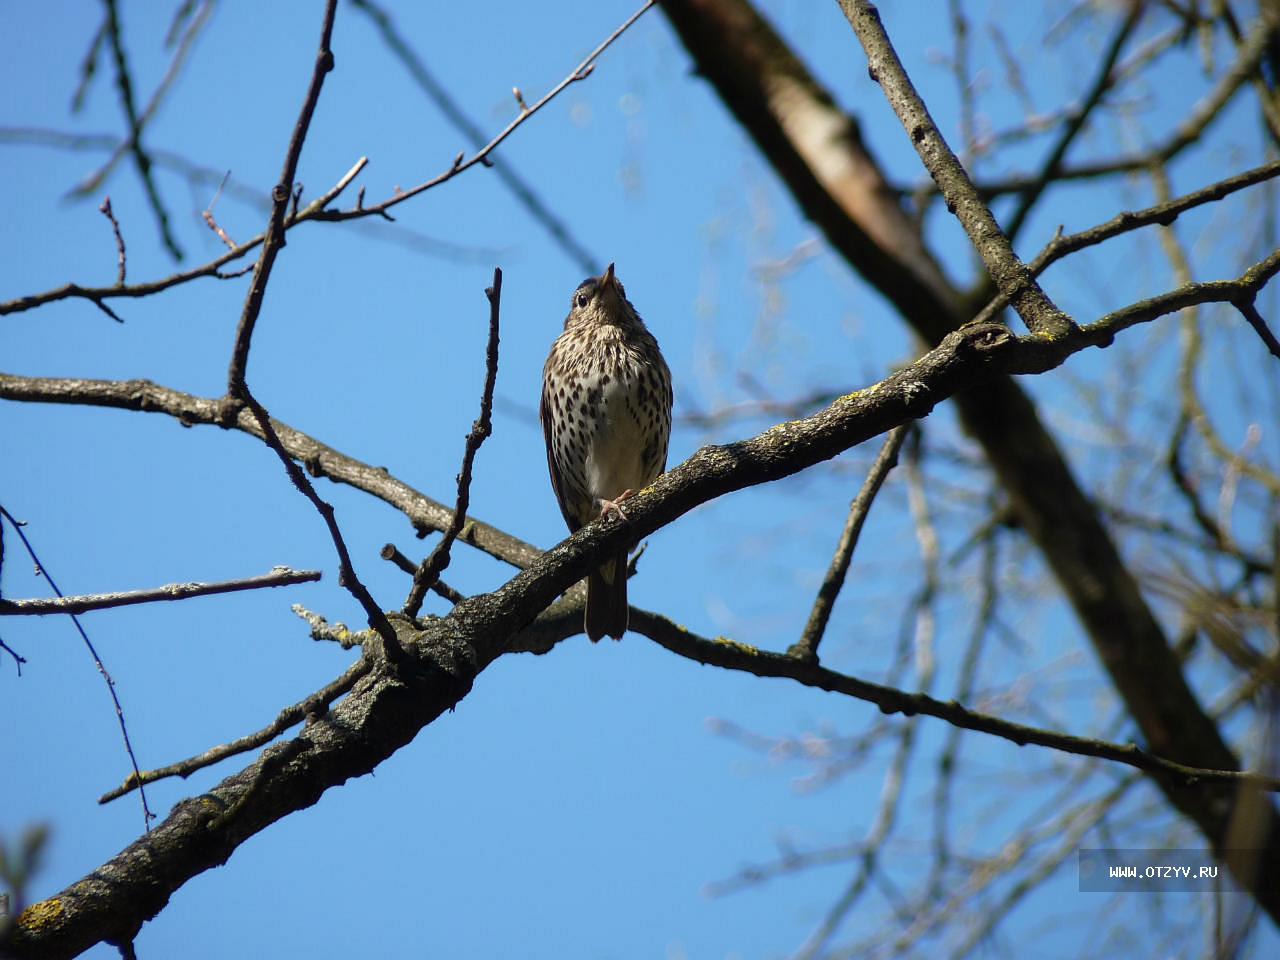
{"points": [[606, 416]]}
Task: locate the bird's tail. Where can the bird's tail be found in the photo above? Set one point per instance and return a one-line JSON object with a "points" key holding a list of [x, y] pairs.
{"points": [[607, 600]]}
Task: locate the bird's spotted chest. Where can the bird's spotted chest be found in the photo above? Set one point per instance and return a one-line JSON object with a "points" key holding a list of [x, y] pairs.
{"points": [[603, 439]]}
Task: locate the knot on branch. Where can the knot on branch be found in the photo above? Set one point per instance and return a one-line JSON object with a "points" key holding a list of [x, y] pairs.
{"points": [[227, 411], [983, 338]]}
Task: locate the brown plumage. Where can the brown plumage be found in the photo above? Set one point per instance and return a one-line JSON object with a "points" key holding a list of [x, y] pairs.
{"points": [[606, 416]]}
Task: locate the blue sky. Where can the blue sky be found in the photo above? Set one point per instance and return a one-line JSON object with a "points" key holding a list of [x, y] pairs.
{"points": [[575, 804]]}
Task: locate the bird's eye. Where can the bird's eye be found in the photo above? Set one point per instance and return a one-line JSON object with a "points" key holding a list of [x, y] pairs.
{"points": [[583, 299]]}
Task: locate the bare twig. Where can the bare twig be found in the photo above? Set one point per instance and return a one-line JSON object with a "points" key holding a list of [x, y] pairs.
{"points": [[316, 209], [1102, 82], [317, 703], [1250, 312], [274, 238], [394, 555], [440, 96], [482, 156], [278, 577], [1198, 119], [140, 158], [1163, 213], [18, 659], [238, 389], [147, 815], [107, 212], [438, 561], [807, 647], [88, 68], [208, 215], [92, 182]]}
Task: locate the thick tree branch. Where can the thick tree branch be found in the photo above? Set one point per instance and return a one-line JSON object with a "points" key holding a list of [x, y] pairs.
{"points": [[426, 515], [278, 577]]}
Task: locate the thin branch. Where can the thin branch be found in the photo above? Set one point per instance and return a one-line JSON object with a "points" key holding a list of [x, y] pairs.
{"points": [[278, 577], [481, 156], [280, 194], [807, 647], [107, 212], [429, 572], [130, 142], [88, 67], [147, 815], [316, 704], [1250, 312], [1161, 213], [424, 513], [436, 91], [316, 209], [731, 655], [1009, 274], [210, 269], [346, 570], [208, 215], [1102, 82], [18, 659], [393, 554], [1198, 120], [238, 389], [140, 158]]}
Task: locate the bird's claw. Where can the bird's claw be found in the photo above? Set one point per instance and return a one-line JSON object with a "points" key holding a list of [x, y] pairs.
{"points": [[608, 507]]}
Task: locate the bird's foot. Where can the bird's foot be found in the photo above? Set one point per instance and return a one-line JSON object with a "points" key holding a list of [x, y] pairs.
{"points": [[608, 507]]}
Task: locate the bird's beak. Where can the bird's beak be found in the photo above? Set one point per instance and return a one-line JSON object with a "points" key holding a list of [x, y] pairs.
{"points": [[608, 279]]}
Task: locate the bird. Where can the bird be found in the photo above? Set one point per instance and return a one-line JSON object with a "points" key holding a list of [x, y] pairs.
{"points": [[606, 417]]}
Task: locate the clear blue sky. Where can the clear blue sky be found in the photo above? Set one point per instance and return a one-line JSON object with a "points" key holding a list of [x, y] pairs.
{"points": [[577, 804]]}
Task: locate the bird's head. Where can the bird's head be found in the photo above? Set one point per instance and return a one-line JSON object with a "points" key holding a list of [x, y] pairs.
{"points": [[601, 299]]}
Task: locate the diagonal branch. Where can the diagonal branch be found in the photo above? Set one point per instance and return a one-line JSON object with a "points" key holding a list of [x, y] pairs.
{"points": [[807, 647], [507, 173], [1098, 89], [1249, 309], [481, 156], [1009, 274], [280, 194], [278, 577], [313, 706], [140, 158], [428, 573], [238, 389], [147, 815]]}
